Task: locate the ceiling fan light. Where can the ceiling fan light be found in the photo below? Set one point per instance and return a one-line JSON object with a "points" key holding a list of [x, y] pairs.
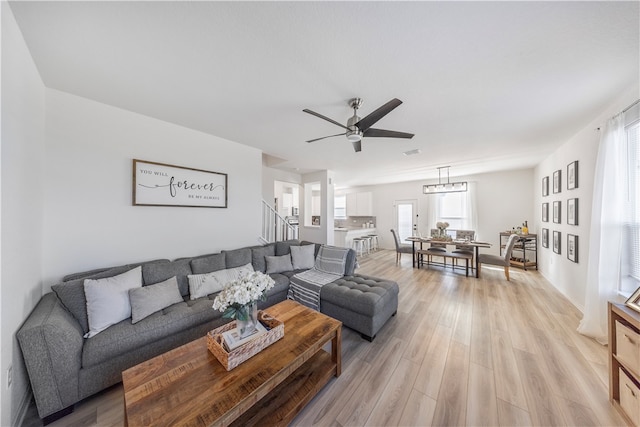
{"points": [[355, 135]]}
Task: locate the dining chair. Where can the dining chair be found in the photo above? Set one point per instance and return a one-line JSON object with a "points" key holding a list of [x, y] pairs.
{"points": [[461, 249], [400, 247], [502, 260]]}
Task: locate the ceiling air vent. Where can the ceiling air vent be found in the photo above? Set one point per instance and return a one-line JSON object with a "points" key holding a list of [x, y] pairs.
{"points": [[412, 152]]}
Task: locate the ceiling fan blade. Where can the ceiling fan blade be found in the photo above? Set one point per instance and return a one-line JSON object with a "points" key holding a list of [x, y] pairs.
{"points": [[357, 145], [383, 133], [313, 113], [369, 120], [330, 136]]}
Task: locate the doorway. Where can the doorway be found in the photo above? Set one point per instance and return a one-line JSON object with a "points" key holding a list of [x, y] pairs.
{"points": [[406, 215]]}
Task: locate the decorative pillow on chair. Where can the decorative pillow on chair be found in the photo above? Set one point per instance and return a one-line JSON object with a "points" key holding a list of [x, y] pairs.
{"points": [[201, 285], [303, 257], [278, 264], [108, 299], [148, 299]]}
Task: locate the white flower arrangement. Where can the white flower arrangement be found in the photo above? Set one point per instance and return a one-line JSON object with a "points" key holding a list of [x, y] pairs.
{"points": [[442, 231], [237, 295], [442, 225]]}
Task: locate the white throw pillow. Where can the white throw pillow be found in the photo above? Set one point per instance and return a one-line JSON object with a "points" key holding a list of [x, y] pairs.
{"points": [[201, 285], [303, 257], [108, 299]]}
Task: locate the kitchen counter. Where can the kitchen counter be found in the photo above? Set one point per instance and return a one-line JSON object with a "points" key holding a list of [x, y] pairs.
{"points": [[343, 236]]}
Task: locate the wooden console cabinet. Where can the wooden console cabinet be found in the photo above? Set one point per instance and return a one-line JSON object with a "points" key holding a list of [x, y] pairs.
{"points": [[624, 361]]}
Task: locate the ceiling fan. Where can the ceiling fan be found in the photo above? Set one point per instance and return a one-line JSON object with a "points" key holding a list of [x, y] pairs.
{"points": [[357, 127]]}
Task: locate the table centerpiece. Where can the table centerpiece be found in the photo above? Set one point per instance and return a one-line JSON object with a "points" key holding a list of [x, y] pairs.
{"points": [[239, 300], [441, 232]]}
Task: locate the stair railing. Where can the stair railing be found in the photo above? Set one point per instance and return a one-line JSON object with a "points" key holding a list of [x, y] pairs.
{"points": [[275, 228]]}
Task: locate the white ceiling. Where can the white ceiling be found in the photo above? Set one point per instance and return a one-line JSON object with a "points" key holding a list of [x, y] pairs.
{"points": [[486, 85]]}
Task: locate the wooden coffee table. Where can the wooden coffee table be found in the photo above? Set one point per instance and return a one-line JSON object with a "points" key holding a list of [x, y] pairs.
{"points": [[188, 386]]}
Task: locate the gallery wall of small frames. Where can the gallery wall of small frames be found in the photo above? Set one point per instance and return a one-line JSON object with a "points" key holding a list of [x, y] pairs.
{"points": [[553, 190]]}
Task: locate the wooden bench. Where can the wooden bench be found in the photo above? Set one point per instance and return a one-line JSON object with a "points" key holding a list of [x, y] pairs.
{"points": [[454, 256]]}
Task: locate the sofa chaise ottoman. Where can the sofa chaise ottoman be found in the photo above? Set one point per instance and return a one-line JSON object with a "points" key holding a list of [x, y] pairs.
{"points": [[364, 303]]}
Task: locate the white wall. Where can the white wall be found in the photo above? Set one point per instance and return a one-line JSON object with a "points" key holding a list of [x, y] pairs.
{"points": [[67, 194], [89, 219], [503, 198], [22, 154], [323, 233], [567, 276]]}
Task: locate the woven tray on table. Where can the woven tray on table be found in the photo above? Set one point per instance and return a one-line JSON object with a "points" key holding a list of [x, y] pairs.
{"points": [[231, 359]]}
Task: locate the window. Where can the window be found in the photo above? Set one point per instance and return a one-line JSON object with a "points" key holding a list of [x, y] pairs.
{"points": [[340, 206], [631, 234], [452, 208]]}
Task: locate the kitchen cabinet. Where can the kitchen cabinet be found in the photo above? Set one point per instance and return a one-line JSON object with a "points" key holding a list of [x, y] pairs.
{"points": [[624, 361], [360, 204]]}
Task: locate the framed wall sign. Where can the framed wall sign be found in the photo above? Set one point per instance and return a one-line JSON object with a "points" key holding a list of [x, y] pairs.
{"points": [[545, 237], [545, 186], [572, 247], [572, 211], [557, 181], [556, 212], [572, 175], [545, 212], [556, 242], [159, 184]]}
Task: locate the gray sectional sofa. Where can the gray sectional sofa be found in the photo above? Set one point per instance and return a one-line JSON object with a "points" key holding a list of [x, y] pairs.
{"points": [[64, 367]]}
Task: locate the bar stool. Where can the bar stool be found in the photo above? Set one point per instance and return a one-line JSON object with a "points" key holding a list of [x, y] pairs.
{"points": [[367, 244], [374, 242], [358, 245]]}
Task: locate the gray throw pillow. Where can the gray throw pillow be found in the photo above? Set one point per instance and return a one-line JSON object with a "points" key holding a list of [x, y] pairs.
{"points": [[303, 257], [149, 299], [278, 264]]}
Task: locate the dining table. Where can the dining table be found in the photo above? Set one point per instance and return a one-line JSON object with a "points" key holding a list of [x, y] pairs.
{"points": [[476, 245]]}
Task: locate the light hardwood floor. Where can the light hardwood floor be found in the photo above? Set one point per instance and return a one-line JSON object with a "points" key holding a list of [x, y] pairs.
{"points": [[460, 351]]}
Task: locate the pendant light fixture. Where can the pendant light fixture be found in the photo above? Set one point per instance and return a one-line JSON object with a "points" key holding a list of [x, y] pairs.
{"points": [[444, 187]]}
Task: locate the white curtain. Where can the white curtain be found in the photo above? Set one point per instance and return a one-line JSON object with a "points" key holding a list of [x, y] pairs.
{"points": [[607, 219], [471, 215]]}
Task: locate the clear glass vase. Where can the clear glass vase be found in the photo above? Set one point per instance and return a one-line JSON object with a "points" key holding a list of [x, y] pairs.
{"points": [[248, 326]]}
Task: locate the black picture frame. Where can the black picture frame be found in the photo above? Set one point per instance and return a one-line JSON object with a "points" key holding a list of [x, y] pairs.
{"points": [[545, 186], [572, 211], [545, 237], [557, 212], [572, 247], [557, 181], [572, 175], [545, 212], [557, 242]]}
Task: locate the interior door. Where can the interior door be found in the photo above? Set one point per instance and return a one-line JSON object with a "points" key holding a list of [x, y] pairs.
{"points": [[406, 213]]}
